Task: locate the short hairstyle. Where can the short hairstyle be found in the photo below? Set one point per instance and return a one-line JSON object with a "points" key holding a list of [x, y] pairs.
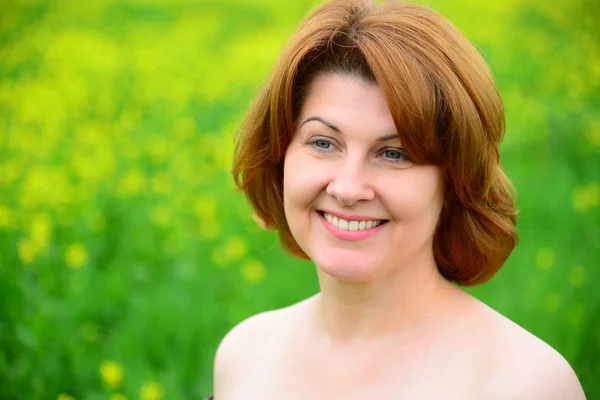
{"points": [[444, 104]]}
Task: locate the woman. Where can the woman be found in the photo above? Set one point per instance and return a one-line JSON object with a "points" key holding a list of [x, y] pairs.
{"points": [[373, 150]]}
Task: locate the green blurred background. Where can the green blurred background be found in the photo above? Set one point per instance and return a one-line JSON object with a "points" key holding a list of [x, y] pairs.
{"points": [[125, 251]]}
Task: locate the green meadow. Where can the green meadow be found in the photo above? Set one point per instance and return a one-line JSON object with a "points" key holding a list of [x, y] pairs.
{"points": [[126, 252]]}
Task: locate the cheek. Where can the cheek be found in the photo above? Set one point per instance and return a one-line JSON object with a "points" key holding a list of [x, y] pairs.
{"points": [[302, 179], [416, 199], [300, 191]]}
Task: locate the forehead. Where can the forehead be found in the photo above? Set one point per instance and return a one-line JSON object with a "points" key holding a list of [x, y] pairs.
{"points": [[349, 103]]}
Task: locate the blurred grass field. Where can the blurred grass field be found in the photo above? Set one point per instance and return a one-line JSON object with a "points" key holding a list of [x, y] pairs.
{"points": [[125, 251]]}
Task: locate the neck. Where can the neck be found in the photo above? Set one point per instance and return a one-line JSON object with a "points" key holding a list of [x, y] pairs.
{"points": [[388, 308]]}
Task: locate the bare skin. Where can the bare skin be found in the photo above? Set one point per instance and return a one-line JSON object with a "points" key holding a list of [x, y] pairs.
{"points": [[470, 353]]}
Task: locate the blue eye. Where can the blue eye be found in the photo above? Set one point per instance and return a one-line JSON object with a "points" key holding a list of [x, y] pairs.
{"points": [[396, 155], [393, 154], [322, 144]]}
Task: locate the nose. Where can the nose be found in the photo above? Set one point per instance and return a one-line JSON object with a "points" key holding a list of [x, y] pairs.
{"points": [[349, 183]]}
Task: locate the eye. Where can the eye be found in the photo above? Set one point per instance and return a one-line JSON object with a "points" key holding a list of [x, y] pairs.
{"points": [[395, 155], [322, 144]]}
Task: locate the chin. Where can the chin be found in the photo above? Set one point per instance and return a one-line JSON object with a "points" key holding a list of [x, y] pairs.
{"points": [[347, 265]]}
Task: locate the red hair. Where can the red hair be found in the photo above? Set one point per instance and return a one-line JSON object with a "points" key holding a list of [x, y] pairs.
{"points": [[445, 106]]}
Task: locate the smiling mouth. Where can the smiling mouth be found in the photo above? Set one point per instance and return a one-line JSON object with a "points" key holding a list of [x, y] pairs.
{"points": [[345, 225]]}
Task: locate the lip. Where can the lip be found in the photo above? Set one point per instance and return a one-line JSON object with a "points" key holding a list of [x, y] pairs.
{"points": [[351, 236]]}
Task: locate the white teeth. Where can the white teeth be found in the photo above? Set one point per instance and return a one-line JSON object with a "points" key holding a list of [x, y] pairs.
{"points": [[343, 224], [351, 225]]}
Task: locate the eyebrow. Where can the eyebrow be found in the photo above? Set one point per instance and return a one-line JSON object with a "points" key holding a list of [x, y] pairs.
{"points": [[335, 128]]}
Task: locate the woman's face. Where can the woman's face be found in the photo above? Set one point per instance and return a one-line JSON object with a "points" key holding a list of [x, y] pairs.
{"points": [[353, 200]]}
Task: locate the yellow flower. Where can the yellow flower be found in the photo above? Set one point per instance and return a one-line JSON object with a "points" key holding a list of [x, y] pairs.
{"points": [[151, 391], [76, 255], [132, 183], [7, 219], [63, 396], [40, 230], [545, 258], [254, 271], [235, 248], [585, 197], [27, 251], [111, 373], [205, 208]]}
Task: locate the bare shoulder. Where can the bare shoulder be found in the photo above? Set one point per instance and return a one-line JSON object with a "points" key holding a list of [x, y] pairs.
{"points": [[264, 327], [236, 344], [247, 342], [523, 366]]}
